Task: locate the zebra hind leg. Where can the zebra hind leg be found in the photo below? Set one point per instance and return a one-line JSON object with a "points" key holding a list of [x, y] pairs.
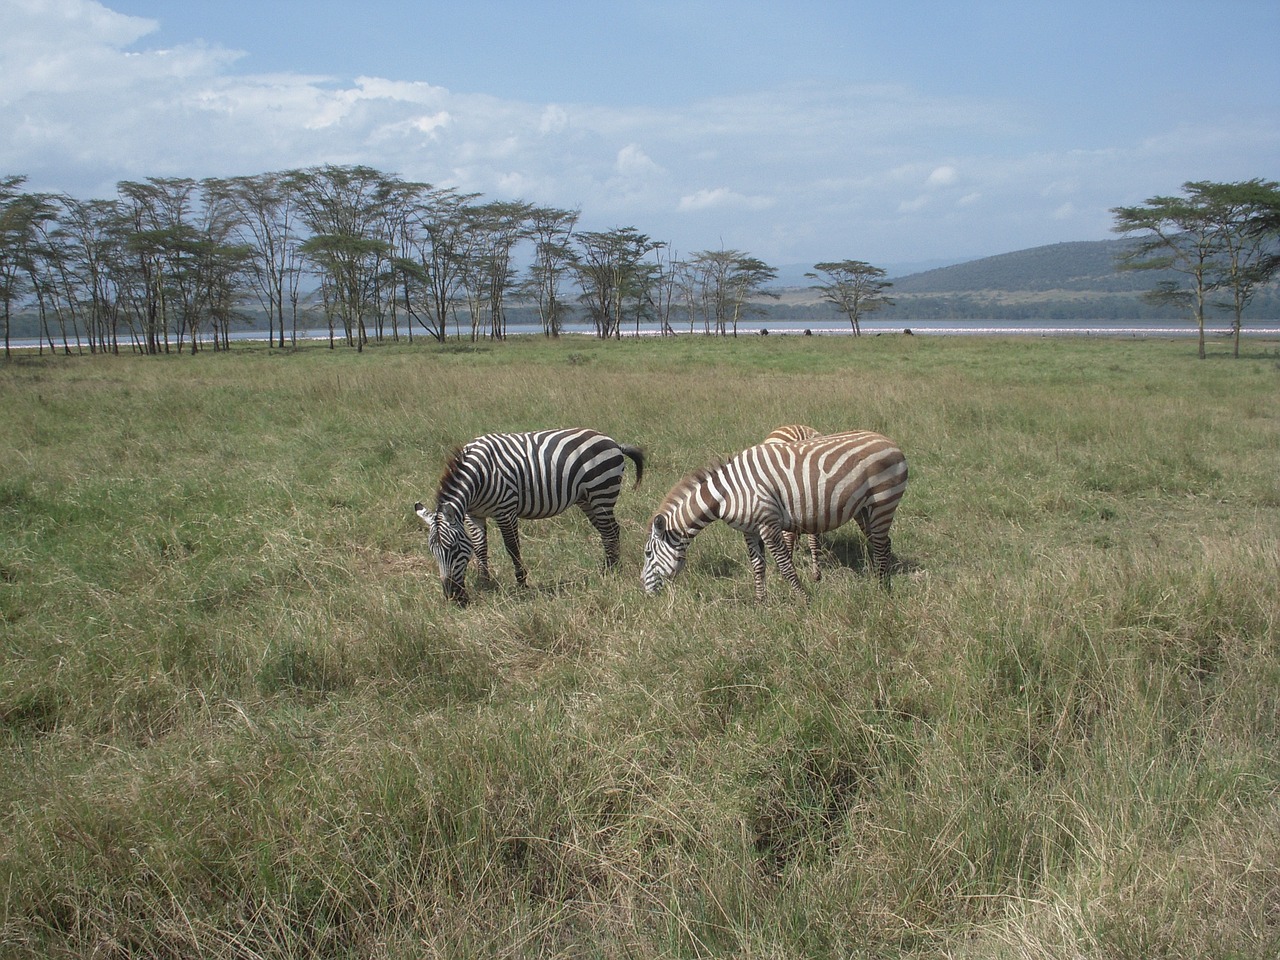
{"points": [[814, 550], [606, 524], [882, 558], [877, 541]]}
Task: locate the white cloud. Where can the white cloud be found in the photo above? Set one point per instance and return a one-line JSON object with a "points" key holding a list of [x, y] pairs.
{"points": [[722, 197], [634, 162], [943, 176], [52, 47], [427, 125], [555, 119]]}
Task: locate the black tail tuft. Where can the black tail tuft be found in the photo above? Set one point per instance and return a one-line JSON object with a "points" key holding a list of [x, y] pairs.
{"points": [[636, 454]]}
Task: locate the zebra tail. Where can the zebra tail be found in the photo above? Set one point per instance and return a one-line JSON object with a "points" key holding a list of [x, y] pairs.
{"points": [[636, 454]]}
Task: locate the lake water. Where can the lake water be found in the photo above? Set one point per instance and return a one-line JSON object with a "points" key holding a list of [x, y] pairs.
{"points": [[1131, 329], [1000, 328]]}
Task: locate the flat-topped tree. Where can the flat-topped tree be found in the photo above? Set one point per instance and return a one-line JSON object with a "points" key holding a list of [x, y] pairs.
{"points": [[1219, 236], [855, 286]]}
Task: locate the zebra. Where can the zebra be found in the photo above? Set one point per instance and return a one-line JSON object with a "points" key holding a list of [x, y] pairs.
{"points": [[522, 476], [790, 434], [809, 486]]}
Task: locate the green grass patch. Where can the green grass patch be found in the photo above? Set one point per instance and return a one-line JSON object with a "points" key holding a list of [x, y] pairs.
{"points": [[238, 719]]}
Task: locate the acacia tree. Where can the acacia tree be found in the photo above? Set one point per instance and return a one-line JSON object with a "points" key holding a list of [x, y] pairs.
{"points": [[726, 280], [439, 240], [89, 238], [496, 228], [1217, 235], [220, 266], [396, 279], [747, 279], [49, 266], [667, 276], [693, 282], [344, 207], [145, 219], [1179, 235], [1247, 256], [17, 219], [551, 230], [266, 219], [610, 270], [855, 286]]}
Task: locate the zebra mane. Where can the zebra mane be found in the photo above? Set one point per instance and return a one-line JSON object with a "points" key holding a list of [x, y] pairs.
{"points": [[681, 490], [448, 479]]}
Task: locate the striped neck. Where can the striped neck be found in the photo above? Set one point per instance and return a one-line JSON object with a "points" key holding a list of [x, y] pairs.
{"points": [[693, 505]]}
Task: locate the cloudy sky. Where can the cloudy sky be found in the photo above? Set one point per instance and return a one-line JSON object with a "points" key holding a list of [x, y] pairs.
{"points": [[895, 132]]}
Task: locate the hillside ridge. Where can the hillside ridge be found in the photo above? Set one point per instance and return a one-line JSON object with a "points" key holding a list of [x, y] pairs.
{"points": [[1066, 280], [1086, 265]]}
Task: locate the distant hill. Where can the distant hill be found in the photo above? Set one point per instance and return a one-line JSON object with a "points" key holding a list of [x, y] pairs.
{"points": [[1081, 266], [1060, 281]]}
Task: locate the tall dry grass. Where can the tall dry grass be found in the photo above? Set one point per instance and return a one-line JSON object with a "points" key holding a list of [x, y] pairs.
{"points": [[238, 719]]}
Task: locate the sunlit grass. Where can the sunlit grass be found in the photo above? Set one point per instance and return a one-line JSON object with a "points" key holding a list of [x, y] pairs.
{"points": [[239, 719]]}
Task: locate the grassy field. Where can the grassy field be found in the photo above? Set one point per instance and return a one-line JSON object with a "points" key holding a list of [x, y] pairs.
{"points": [[239, 721]]}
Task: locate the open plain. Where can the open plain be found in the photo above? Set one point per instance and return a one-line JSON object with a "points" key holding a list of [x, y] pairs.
{"points": [[238, 719]]}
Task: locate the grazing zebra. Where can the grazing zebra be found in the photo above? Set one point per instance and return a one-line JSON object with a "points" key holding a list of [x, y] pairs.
{"points": [[522, 476], [809, 486], [790, 434]]}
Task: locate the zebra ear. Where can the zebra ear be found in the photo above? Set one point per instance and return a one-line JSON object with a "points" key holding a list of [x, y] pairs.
{"points": [[660, 525]]}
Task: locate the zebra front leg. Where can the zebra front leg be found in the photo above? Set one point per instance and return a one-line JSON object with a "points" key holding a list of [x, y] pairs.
{"points": [[511, 539], [478, 531], [782, 553], [755, 555]]}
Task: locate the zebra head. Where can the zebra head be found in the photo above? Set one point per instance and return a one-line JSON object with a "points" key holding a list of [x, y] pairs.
{"points": [[664, 554], [451, 545]]}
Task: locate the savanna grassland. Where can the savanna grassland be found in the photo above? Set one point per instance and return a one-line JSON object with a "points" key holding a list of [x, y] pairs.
{"points": [[238, 719]]}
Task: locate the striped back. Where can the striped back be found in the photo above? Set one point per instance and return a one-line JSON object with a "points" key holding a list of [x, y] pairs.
{"points": [[533, 475], [791, 433]]}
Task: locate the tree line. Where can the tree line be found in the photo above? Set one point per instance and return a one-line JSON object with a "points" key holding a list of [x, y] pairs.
{"points": [[173, 264]]}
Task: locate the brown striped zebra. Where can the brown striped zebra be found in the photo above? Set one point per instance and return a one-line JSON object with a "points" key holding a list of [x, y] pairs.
{"points": [[809, 486], [790, 434], [522, 476]]}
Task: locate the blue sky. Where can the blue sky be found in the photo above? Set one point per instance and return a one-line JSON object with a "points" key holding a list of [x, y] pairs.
{"points": [[902, 132]]}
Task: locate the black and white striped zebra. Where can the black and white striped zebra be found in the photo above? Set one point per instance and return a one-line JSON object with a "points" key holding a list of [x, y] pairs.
{"points": [[522, 476], [790, 434], [807, 486]]}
